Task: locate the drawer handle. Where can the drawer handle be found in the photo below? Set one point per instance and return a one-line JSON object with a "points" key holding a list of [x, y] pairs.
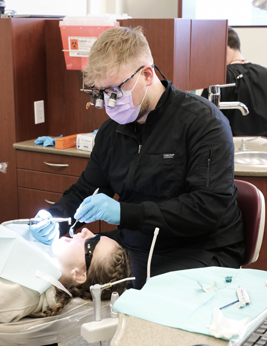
{"points": [[49, 202], [56, 164]]}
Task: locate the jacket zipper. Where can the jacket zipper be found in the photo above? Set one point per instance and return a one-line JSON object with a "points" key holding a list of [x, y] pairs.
{"points": [[139, 145], [208, 168]]}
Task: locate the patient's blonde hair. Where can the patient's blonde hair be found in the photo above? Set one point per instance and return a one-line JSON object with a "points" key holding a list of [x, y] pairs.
{"points": [[113, 48], [113, 268]]}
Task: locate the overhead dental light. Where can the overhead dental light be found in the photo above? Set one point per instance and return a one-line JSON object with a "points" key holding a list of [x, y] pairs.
{"points": [[262, 4]]}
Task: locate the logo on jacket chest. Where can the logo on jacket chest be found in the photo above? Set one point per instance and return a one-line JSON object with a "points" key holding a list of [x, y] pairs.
{"points": [[168, 158]]}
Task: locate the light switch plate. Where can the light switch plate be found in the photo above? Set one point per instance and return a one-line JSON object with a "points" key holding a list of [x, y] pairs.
{"points": [[39, 116]]}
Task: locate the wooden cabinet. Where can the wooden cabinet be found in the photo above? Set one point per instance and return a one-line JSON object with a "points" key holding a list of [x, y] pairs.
{"points": [[42, 179], [189, 52], [23, 81]]}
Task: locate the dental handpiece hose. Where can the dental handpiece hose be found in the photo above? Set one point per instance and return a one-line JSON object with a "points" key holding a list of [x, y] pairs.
{"points": [[38, 219], [156, 232]]}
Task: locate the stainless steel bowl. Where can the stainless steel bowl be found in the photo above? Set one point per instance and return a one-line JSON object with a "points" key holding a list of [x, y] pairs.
{"points": [[251, 158]]}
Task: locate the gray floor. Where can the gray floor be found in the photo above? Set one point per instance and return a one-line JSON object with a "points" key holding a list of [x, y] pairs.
{"points": [[80, 341]]}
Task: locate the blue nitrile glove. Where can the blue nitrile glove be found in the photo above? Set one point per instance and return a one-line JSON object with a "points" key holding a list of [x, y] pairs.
{"points": [[46, 140], [95, 132], [99, 207], [45, 231]]}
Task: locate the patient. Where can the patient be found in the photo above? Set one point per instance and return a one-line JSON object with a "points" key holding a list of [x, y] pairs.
{"points": [[109, 263]]}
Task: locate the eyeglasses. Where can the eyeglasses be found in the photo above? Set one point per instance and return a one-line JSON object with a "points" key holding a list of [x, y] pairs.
{"points": [[89, 248], [117, 90]]}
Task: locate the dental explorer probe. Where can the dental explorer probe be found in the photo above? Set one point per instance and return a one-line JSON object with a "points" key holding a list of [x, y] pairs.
{"points": [[38, 219], [71, 228]]}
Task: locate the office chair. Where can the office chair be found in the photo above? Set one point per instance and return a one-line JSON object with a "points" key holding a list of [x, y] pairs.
{"points": [[251, 202]]}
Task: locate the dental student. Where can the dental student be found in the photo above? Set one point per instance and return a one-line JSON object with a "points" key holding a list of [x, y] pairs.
{"points": [[167, 154], [250, 88]]}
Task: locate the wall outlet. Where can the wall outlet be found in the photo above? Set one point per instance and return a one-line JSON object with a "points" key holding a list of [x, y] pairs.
{"points": [[39, 116]]}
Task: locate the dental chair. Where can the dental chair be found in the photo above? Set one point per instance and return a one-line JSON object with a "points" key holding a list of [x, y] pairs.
{"points": [[251, 202], [51, 330]]}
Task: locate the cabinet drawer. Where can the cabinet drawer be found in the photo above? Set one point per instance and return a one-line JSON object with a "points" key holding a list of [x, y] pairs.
{"points": [[61, 164], [31, 201], [44, 181]]}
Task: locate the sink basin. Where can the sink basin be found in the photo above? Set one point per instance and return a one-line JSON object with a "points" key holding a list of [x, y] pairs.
{"points": [[251, 158]]}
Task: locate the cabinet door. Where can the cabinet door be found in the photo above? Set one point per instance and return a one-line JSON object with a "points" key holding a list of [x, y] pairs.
{"points": [[31, 201]]}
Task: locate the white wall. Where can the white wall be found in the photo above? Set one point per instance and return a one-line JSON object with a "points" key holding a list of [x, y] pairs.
{"points": [[136, 8], [253, 44], [48, 7], [151, 8]]}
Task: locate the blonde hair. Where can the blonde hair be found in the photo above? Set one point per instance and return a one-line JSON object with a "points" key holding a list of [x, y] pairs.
{"points": [[113, 48], [113, 268]]}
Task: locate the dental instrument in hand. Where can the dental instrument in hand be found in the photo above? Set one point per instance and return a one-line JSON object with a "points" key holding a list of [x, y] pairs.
{"points": [[38, 219], [71, 232]]}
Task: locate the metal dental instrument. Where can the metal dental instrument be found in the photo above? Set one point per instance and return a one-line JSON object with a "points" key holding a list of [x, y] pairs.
{"points": [[39, 219], [72, 227]]}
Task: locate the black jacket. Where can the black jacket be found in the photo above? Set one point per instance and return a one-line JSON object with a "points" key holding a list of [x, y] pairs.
{"points": [[180, 178], [251, 89]]}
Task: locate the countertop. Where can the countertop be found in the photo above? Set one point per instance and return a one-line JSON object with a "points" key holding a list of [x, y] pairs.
{"points": [[30, 146], [259, 144], [133, 331]]}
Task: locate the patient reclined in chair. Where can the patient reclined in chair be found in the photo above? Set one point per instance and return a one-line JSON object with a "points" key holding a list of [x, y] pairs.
{"points": [[38, 280]]}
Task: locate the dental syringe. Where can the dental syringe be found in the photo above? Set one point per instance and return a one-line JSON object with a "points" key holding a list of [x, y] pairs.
{"points": [[38, 219]]}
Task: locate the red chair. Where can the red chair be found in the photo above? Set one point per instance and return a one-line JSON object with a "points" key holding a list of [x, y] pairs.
{"points": [[251, 202]]}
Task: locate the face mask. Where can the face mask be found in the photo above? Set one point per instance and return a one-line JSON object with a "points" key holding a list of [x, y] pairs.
{"points": [[124, 112]]}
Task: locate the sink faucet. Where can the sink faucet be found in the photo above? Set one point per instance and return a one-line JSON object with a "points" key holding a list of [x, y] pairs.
{"points": [[243, 146], [215, 95]]}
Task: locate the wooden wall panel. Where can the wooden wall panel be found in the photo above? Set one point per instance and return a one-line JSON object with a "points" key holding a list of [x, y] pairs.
{"points": [[160, 36], [29, 66], [8, 182], [181, 53], [208, 53]]}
